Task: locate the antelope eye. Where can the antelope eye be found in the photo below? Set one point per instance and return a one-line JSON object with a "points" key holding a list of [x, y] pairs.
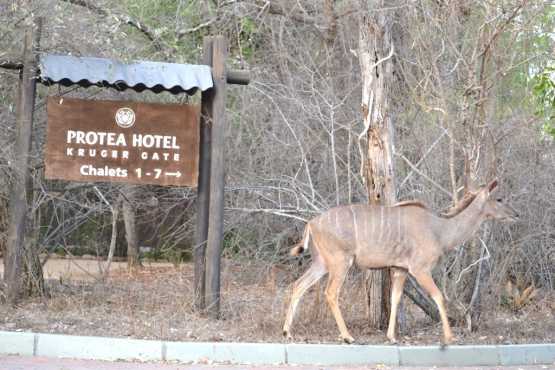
{"points": [[500, 200]]}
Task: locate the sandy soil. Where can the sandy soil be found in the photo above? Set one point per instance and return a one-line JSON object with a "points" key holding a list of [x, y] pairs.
{"points": [[156, 303]]}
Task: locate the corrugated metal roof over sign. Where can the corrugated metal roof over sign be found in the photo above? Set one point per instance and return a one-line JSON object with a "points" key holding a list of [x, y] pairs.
{"points": [[139, 75]]}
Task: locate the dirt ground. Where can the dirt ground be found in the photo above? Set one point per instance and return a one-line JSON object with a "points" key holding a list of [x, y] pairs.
{"points": [[156, 303]]}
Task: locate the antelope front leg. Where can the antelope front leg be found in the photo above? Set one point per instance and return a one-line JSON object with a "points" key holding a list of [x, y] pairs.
{"points": [[336, 279], [426, 281], [398, 277]]}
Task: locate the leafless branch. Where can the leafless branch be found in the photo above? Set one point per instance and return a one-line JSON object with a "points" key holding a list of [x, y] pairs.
{"points": [[124, 18], [415, 169]]}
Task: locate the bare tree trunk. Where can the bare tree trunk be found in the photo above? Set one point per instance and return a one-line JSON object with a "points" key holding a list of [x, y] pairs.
{"points": [[128, 211], [4, 216], [331, 20], [475, 306], [32, 270], [115, 215], [375, 52]]}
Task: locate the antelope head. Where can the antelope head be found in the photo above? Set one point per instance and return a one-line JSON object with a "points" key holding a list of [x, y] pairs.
{"points": [[495, 208]]}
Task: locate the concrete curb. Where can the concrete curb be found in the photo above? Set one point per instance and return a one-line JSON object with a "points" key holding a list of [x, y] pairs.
{"points": [[99, 348]]}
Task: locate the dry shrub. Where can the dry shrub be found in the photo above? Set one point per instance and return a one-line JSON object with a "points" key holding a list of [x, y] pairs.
{"points": [[519, 294]]}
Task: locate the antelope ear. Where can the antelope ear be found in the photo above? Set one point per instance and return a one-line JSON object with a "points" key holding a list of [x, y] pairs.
{"points": [[492, 185]]}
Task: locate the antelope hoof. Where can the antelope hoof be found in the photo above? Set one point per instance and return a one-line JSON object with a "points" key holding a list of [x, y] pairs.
{"points": [[286, 334], [347, 339], [392, 339], [447, 340]]}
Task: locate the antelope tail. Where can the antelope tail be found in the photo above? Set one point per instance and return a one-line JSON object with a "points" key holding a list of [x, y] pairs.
{"points": [[303, 245]]}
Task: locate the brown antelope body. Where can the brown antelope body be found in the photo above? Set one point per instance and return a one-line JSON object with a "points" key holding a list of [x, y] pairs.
{"points": [[407, 237]]}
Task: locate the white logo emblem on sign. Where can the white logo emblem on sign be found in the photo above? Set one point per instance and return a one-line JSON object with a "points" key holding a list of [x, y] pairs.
{"points": [[125, 117]]}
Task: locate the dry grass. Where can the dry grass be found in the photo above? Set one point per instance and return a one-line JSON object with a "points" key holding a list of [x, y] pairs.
{"points": [[156, 303]]}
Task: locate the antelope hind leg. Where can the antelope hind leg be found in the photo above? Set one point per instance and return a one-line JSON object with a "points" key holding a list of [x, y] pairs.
{"points": [[311, 276]]}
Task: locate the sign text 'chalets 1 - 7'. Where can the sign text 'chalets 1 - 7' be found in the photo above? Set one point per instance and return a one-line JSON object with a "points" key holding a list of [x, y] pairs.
{"points": [[122, 141]]}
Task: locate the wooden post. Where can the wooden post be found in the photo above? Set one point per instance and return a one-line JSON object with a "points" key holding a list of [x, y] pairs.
{"points": [[217, 179], [14, 272], [203, 189]]}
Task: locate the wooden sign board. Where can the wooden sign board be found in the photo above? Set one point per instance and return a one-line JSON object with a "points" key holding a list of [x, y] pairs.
{"points": [[122, 141]]}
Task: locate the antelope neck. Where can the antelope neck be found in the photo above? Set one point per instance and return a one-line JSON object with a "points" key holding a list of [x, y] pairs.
{"points": [[458, 229]]}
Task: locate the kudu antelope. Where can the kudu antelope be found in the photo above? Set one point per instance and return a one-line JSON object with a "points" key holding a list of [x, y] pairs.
{"points": [[407, 237]]}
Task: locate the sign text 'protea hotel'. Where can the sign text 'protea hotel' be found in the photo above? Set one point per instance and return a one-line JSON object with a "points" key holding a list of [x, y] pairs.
{"points": [[122, 141]]}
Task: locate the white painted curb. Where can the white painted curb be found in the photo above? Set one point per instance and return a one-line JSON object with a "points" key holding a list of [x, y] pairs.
{"points": [[111, 349]]}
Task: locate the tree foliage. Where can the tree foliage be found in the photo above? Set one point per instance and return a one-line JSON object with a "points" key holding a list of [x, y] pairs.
{"points": [[544, 93]]}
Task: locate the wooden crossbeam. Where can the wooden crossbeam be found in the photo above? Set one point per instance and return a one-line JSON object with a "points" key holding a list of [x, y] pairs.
{"points": [[11, 62]]}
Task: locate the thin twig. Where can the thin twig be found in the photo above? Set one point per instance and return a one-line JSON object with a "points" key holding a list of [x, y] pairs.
{"points": [[276, 212], [415, 169], [482, 258], [423, 157]]}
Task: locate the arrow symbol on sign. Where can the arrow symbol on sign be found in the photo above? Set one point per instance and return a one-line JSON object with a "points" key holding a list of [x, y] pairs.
{"points": [[176, 174]]}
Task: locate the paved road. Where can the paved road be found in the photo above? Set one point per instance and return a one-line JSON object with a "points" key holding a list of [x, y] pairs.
{"points": [[42, 363]]}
